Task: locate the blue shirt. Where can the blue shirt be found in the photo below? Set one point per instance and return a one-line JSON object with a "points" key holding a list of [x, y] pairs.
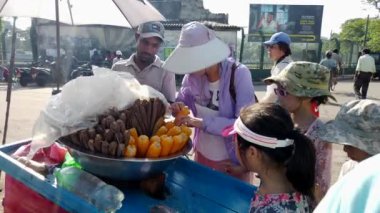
{"points": [[357, 191]]}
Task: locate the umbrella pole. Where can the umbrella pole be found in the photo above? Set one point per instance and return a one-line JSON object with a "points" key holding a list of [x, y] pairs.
{"points": [[58, 59], [10, 80]]}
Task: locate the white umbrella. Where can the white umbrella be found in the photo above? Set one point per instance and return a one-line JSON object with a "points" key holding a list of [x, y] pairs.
{"points": [[127, 13]]}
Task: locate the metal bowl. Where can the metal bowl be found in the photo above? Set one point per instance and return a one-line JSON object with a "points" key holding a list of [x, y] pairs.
{"points": [[124, 168]]}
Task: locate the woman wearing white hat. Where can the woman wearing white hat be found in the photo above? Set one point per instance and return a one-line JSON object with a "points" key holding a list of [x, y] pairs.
{"points": [[215, 88]]}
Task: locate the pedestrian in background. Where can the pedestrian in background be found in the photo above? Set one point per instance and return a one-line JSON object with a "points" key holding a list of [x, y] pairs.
{"points": [[118, 57], [364, 71], [298, 86], [339, 62], [332, 66], [278, 48]]}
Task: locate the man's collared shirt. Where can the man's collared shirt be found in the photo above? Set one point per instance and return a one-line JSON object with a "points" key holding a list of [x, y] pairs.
{"points": [[152, 75], [366, 63]]}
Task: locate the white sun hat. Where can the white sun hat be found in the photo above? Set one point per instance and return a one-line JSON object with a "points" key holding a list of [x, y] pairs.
{"points": [[198, 48]]}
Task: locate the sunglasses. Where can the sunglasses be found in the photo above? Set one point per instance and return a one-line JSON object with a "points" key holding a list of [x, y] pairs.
{"points": [[270, 46], [280, 92]]}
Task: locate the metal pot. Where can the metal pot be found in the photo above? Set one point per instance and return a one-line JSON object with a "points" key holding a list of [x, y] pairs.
{"points": [[124, 168]]}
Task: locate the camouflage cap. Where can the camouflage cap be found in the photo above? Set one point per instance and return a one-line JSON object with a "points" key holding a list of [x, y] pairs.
{"points": [[151, 29], [357, 124], [303, 79]]}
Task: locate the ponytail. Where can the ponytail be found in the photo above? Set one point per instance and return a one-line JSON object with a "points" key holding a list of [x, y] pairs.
{"points": [[272, 120], [300, 168]]}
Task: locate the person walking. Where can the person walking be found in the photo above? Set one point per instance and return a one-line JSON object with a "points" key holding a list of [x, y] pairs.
{"points": [[332, 66], [145, 65], [215, 88], [278, 48], [338, 59], [364, 71]]}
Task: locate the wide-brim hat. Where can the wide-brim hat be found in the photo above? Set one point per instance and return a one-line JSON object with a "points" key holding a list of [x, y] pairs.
{"points": [[198, 48], [303, 79], [357, 124]]}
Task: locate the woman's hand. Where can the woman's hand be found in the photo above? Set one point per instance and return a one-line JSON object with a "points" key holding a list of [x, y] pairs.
{"points": [[190, 121], [176, 107]]}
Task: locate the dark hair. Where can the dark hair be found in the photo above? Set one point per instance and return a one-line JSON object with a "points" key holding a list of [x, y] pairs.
{"points": [[336, 51], [272, 120], [328, 54], [285, 48], [366, 51], [320, 99]]}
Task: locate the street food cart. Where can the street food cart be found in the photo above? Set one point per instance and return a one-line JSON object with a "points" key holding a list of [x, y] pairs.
{"points": [[191, 188], [188, 186]]}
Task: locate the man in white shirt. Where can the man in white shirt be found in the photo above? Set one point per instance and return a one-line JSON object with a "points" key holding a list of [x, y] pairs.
{"points": [[364, 71]]}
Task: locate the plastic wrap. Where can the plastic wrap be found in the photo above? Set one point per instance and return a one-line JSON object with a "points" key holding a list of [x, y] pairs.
{"points": [[82, 99]]}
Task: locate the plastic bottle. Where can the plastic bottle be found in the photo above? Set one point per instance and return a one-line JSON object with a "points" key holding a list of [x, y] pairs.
{"points": [[105, 197]]}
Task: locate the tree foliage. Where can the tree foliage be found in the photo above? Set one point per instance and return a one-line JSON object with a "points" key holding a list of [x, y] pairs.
{"points": [[354, 30], [374, 35], [372, 2]]}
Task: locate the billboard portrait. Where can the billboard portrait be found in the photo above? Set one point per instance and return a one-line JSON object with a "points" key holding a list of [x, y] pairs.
{"points": [[301, 22]]}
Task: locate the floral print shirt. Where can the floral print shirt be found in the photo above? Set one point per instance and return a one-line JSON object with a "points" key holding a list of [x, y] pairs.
{"points": [[284, 202], [323, 152]]}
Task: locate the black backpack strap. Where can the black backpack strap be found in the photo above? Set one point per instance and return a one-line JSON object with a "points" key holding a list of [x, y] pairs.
{"points": [[232, 82]]}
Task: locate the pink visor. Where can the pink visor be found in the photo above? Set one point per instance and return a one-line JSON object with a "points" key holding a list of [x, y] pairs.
{"points": [[240, 129]]}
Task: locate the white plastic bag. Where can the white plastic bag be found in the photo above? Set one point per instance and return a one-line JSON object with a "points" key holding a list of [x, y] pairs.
{"points": [[82, 99]]}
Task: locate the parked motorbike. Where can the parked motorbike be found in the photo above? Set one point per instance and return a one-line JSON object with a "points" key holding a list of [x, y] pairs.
{"points": [[36, 73], [6, 74], [82, 70]]}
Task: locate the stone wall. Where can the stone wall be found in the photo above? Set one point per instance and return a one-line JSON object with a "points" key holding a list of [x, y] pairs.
{"points": [[187, 10]]}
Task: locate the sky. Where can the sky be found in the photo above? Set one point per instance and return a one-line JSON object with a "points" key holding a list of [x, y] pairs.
{"points": [[335, 12]]}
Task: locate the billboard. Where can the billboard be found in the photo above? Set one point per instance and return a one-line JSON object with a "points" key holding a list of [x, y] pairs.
{"points": [[301, 22]]}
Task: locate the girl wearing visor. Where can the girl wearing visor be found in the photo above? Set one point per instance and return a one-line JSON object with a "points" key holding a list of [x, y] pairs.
{"points": [[298, 86], [215, 88], [284, 159]]}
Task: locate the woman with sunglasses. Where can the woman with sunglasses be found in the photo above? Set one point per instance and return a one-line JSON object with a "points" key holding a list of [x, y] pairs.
{"points": [[278, 48], [284, 159], [298, 86]]}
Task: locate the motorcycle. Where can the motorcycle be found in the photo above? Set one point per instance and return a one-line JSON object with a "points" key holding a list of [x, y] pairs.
{"points": [[36, 73], [82, 70]]}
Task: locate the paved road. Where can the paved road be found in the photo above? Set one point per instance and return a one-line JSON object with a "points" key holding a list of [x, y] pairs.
{"points": [[26, 104]]}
